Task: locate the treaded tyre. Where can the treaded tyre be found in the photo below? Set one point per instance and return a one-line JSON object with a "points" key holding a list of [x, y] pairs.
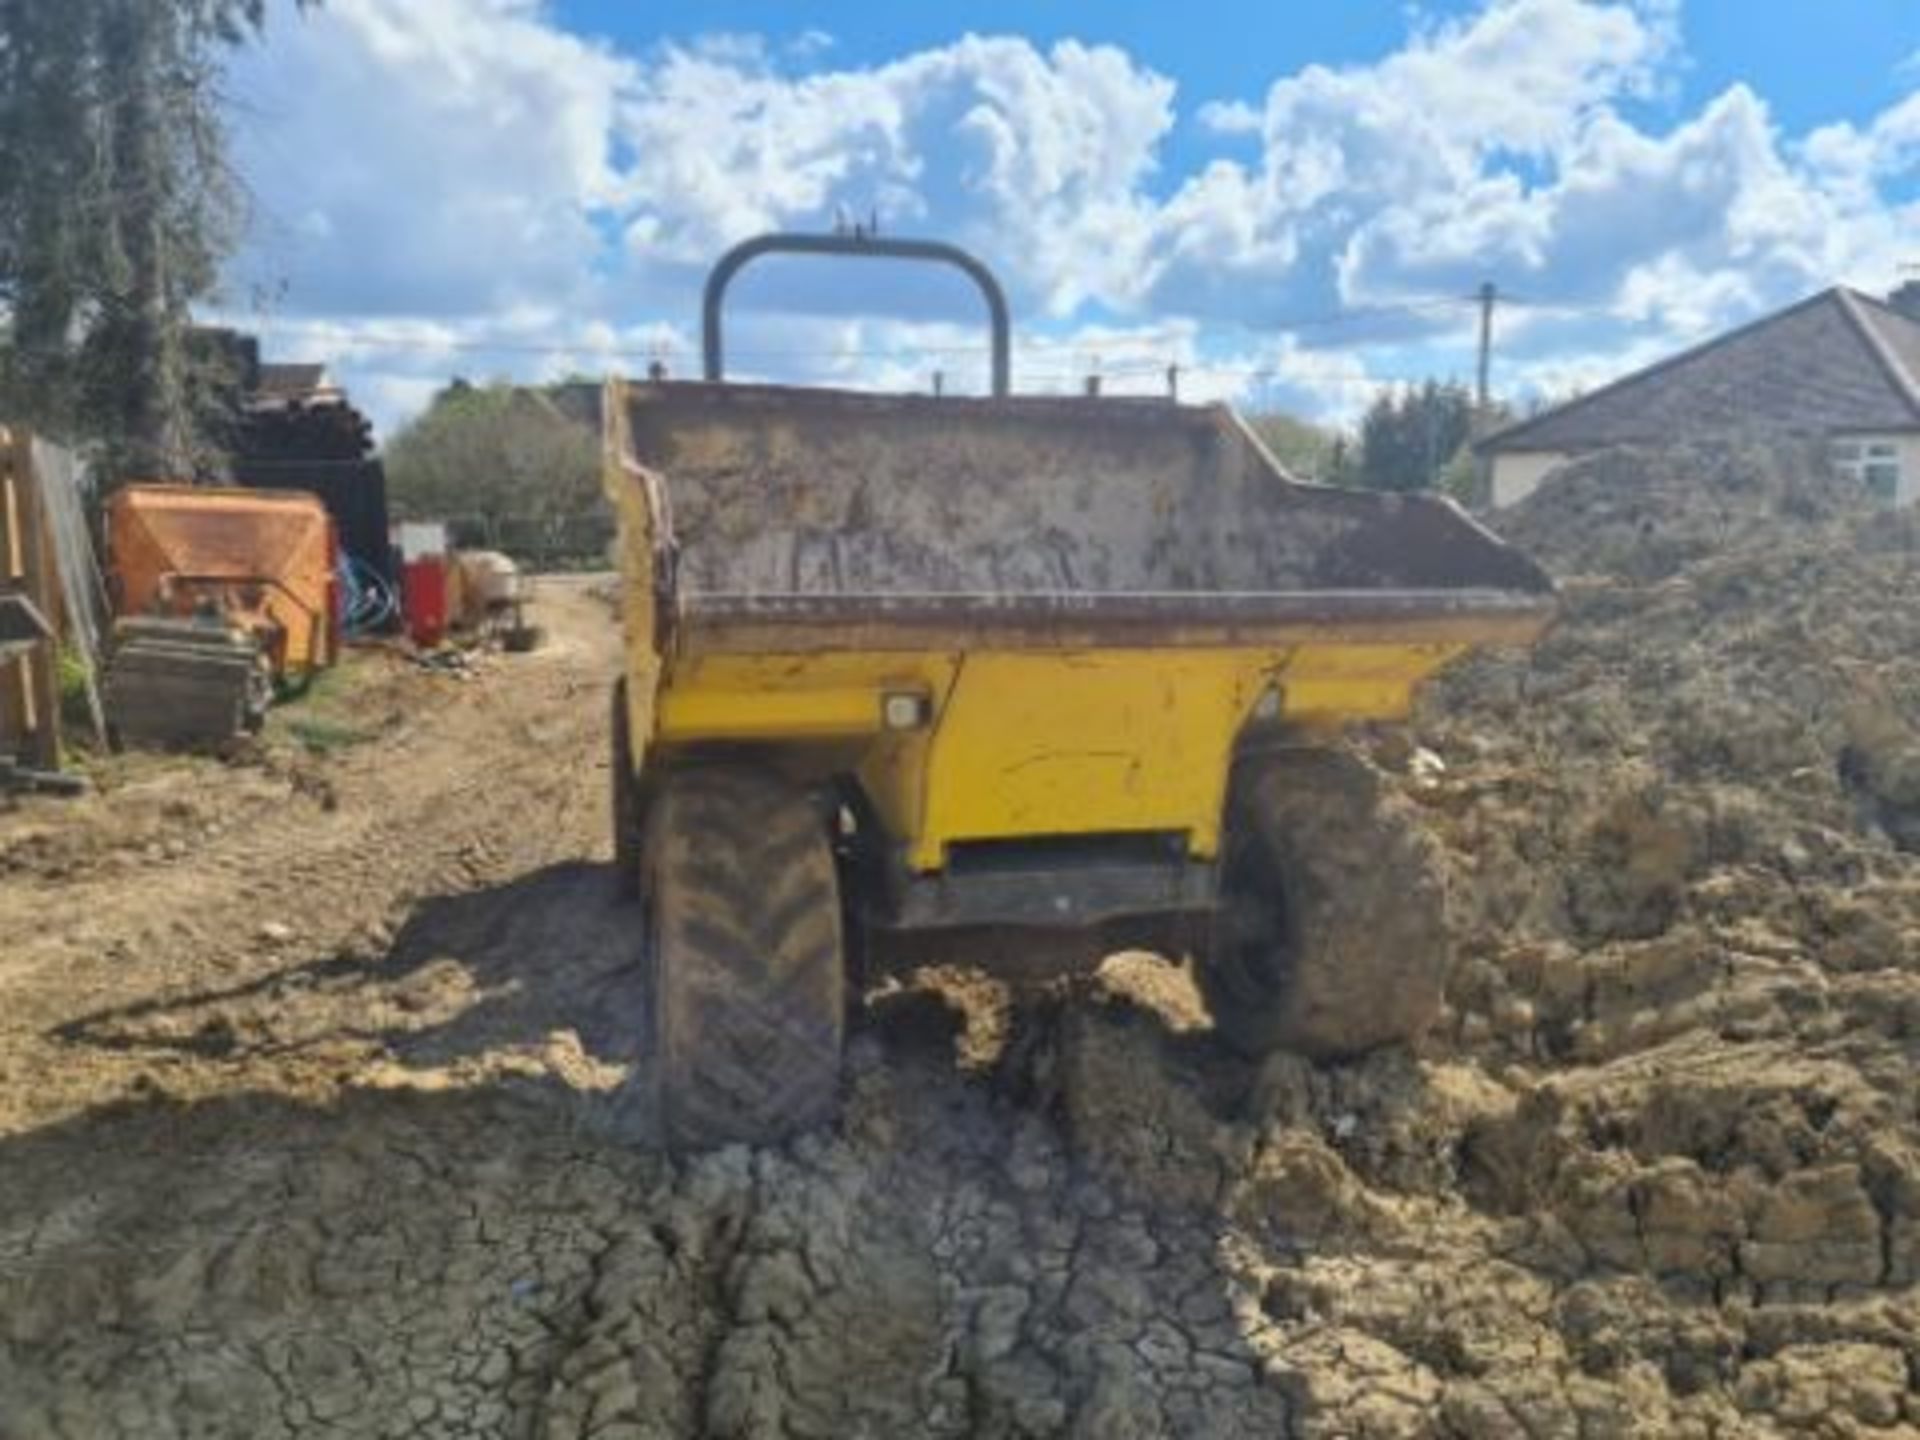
{"points": [[1331, 938], [625, 808], [743, 938]]}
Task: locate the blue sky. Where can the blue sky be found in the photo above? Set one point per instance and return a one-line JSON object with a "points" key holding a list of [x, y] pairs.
{"points": [[1815, 60], [1291, 201]]}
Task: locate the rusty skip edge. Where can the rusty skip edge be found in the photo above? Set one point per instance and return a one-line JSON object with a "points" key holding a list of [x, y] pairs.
{"points": [[709, 623], [720, 622]]}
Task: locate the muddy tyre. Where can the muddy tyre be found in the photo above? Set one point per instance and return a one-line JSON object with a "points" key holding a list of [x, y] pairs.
{"points": [[743, 941], [1331, 940], [625, 808]]}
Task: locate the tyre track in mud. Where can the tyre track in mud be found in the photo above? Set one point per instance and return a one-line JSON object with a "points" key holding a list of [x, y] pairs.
{"points": [[336, 1180], [272, 1105], [500, 780]]}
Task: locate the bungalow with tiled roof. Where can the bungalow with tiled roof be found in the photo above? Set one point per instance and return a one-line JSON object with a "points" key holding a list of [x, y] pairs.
{"points": [[1839, 366]]}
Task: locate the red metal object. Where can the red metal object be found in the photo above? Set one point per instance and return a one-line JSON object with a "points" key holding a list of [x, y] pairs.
{"points": [[424, 590], [423, 596]]}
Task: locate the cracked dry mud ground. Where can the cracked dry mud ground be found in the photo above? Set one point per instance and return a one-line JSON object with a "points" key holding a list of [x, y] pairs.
{"points": [[370, 1171]]}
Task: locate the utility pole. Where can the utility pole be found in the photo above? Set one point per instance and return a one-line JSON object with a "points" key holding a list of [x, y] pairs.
{"points": [[1433, 438], [1489, 295]]}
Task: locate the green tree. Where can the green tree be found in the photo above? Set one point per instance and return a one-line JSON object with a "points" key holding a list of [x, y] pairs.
{"points": [[495, 456], [1408, 437], [117, 207]]}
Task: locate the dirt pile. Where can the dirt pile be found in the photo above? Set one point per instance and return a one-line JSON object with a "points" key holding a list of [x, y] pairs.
{"points": [[1658, 1173], [1709, 765], [1681, 830]]}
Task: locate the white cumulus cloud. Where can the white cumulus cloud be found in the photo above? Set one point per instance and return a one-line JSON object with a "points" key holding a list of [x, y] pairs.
{"points": [[1035, 157], [513, 198]]}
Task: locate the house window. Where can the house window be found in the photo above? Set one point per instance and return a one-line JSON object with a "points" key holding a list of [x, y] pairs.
{"points": [[1873, 463]]}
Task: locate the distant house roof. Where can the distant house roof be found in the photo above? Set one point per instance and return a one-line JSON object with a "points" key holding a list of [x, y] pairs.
{"points": [[291, 381], [1837, 362]]}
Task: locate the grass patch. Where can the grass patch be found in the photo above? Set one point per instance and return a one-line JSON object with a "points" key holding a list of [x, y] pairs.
{"points": [[70, 681], [337, 708], [323, 736]]}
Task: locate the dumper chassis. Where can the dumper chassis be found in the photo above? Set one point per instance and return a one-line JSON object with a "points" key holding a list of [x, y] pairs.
{"points": [[910, 666]]}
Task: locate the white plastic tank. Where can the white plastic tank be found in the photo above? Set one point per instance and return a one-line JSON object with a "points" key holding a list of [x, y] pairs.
{"points": [[491, 581]]}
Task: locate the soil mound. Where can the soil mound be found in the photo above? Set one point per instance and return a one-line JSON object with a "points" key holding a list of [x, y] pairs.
{"points": [[1680, 831], [1642, 512]]}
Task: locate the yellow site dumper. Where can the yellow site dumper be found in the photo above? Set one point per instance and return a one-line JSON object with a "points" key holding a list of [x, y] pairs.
{"points": [[1015, 666]]}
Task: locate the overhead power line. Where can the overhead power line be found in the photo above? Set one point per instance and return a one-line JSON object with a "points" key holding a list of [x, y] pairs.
{"points": [[375, 338]]}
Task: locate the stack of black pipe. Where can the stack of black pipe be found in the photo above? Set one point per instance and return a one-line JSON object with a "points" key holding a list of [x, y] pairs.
{"points": [[324, 446]]}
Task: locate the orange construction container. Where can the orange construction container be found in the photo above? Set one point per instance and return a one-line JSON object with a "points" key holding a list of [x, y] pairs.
{"points": [[261, 559]]}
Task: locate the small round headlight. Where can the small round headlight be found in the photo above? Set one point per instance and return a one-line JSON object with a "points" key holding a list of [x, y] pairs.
{"points": [[905, 712]]}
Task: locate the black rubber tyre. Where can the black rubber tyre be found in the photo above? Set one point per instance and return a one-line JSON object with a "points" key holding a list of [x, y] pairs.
{"points": [[1332, 937], [625, 807], [743, 939]]}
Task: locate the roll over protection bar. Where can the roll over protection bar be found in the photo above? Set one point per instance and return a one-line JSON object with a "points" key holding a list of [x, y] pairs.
{"points": [[864, 246]]}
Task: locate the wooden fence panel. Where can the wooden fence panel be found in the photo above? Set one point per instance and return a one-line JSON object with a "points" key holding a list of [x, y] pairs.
{"points": [[29, 684]]}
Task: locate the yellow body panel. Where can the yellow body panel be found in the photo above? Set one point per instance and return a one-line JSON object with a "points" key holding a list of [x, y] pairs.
{"points": [[1024, 744], [771, 698], [1096, 742]]}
